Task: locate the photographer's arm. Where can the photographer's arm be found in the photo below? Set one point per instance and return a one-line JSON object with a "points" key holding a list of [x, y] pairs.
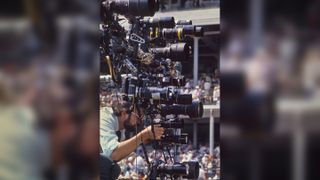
{"points": [[126, 147]]}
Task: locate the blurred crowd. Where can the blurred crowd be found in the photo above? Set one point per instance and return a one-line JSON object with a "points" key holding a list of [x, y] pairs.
{"points": [[284, 62], [207, 89], [269, 67], [135, 165]]}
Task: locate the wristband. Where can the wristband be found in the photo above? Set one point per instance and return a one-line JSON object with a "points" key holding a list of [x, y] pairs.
{"points": [[141, 138], [149, 134]]}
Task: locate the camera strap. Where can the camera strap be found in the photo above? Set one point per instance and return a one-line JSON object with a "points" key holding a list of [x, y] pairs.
{"points": [[145, 154], [134, 37]]}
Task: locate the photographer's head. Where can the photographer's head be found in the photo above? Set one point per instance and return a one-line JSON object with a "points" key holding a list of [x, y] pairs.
{"points": [[129, 117]]}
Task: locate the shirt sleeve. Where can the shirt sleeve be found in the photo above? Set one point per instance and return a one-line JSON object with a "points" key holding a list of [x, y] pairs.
{"points": [[108, 137]]}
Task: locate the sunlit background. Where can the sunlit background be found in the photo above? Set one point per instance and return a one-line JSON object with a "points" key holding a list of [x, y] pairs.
{"points": [[270, 89]]}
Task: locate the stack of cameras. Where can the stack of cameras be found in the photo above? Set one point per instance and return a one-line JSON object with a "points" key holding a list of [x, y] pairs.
{"points": [[144, 56]]}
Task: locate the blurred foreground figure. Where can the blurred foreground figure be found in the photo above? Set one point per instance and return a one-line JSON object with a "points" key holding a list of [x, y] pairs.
{"points": [[49, 118], [23, 153]]}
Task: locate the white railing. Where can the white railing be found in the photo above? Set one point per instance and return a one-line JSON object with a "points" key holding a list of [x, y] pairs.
{"points": [[170, 5]]}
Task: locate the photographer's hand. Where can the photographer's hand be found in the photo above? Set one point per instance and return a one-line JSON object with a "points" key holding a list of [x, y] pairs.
{"points": [[128, 146], [148, 135]]}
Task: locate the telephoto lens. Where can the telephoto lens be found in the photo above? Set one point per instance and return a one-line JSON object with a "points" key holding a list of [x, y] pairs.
{"points": [[176, 52], [133, 89], [188, 170], [180, 32], [184, 22], [164, 95], [174, 139], [159, 22], [194, 110], [191, 30], [172, 33], [172, 123], [182, 99], [132, 7]]}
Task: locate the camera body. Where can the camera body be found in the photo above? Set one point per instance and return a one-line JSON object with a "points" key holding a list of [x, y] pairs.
{"points": [[144, 62], [189, 170]]}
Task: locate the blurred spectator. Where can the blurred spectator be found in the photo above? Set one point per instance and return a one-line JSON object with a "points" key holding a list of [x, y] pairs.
{"points": [[24, 147], [310, 71], [262, 72]]}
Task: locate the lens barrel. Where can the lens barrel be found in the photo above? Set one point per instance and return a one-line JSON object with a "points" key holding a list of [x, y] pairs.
{"points": [[180, 32], [175, 139], [184, 22], [160, 22], [133, 7], [176, 123], [189, 170], [176, 52], [182, 99], [165, 96], [191, 30], [193, 110]]}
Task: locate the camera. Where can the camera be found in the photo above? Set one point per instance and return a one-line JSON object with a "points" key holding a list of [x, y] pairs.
{"points": [[165, 95], [132, 7], [135, 89], [175, 139], [189, 170], [171, 137]]}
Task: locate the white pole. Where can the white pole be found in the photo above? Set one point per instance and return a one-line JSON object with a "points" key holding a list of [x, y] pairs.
{"points": [[195, 60], [195, 133], [256, 18], [299, 144], [211, 138]]}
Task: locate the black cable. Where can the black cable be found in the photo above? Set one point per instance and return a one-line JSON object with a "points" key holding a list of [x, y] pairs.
{"points": [[145, 154], [169, 154], [164, 156]]}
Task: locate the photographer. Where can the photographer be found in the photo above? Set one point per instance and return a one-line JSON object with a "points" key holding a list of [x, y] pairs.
{"points": [[121, 116]]}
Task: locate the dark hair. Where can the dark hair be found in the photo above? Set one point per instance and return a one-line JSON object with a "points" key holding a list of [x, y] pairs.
{"points": [[119, 107]]}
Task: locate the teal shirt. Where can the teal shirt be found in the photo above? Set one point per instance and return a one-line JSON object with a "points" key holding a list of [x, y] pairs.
{"points": [[108, 126], [23, 149]]}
